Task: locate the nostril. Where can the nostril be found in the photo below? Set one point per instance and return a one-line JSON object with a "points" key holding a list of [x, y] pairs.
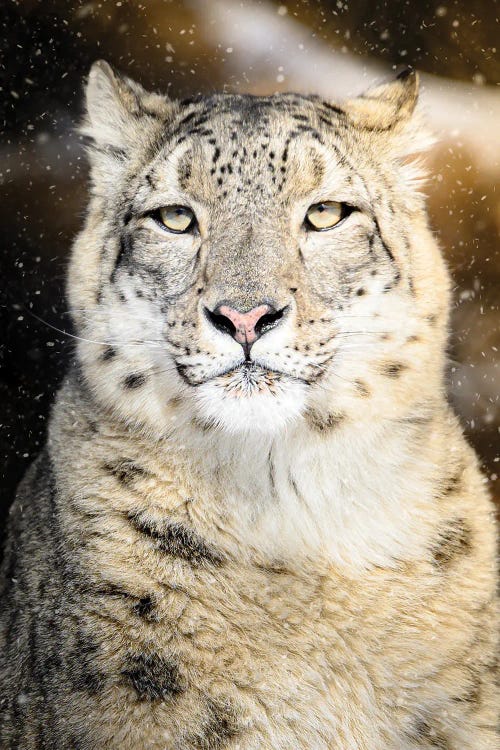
{"points": [[270, 320], [220, 322], [245, 327]]}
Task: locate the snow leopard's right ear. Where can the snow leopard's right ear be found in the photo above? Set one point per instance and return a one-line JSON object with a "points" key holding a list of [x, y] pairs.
{"points": [[386, 105], [389, 110], [120, 113]]}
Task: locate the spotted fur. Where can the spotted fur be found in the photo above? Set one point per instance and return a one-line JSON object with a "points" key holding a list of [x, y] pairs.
{"points": [[283, 546]]}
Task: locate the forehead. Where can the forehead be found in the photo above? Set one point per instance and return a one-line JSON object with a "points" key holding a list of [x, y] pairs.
{"points": [[247, 115], [229, 145]]}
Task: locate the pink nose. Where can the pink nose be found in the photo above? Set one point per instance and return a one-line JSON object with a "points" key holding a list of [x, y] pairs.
{"points": [[245, 324]]}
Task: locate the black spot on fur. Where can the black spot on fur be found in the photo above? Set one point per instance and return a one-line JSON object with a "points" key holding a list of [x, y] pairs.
{"points": [[93, 426], [182, 371], [327, 121], [126, 471], [134, 380], [425, 734], [393, 369], [153, 677], [391, 284], [324, 422], [218, 727], [454, 541], [203, 424], [108, 353], [453, 483], [145, 609], [333, 108], [187, 117], [177, 540], [472, 693], [361, 388], [184, 175]]}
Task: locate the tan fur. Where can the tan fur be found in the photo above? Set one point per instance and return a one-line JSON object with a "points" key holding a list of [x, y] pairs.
{"points": [[294, 553]]}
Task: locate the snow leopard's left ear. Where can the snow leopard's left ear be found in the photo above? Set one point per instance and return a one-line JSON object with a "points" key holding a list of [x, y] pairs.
{"points": [[120, 113], [390, 108]]}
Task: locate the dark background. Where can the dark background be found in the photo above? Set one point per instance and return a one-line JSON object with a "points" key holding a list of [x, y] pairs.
{"points": [[47, 49]]}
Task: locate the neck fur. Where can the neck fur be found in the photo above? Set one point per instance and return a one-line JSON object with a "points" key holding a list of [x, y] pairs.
{"points": [[357, 498], [360, 496]]}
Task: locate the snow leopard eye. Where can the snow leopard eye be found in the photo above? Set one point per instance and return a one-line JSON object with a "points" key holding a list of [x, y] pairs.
{"points": [[177, 219], [323, 216]]}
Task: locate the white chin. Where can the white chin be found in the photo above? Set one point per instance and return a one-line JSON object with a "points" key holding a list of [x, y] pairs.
{"points": [[262, 409]]}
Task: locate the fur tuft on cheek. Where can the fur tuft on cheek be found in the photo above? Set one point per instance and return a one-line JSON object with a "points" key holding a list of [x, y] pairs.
{"points": [[409, 146]]}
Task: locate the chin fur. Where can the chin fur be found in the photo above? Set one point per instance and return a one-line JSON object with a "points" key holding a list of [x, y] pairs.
{"points": [[251, 400]]}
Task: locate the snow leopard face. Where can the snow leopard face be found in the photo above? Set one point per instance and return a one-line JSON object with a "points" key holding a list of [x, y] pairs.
{"points": [[250, 263]]}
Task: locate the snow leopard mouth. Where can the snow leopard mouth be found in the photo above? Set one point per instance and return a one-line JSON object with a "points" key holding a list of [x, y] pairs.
{"points": [[251, 376], [253, 372]]}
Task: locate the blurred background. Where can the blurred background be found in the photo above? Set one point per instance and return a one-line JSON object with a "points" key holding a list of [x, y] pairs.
{"points": [[332, 47]]}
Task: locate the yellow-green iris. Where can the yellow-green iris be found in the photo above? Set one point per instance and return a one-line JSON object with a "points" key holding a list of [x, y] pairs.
{"points": [[177, 218], [323, 216]]}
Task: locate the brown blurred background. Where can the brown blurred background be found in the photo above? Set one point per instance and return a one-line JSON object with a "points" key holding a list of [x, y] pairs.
{"points": [[332, 47]]}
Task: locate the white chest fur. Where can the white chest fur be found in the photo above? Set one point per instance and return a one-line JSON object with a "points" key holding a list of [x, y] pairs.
{"points": [[357, 499]]}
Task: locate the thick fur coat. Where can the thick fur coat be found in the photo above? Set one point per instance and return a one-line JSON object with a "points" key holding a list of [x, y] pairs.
{"points": [[287, 545]]}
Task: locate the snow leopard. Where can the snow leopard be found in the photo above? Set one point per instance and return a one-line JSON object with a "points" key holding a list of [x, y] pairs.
{"points": [[256, 522]]}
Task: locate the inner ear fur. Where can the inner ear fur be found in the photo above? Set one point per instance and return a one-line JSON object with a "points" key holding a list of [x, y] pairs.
{"points": [[390, 109], [385, 106], [119, 110]]}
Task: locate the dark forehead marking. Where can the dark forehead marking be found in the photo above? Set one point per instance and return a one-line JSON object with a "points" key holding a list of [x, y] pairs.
{"points": [[246, 107], [246, 120], [247, 116]]}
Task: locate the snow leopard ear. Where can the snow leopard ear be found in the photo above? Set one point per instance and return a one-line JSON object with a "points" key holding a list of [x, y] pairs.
{"points": [[391, 110], [385, 106], [119, 111]]}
